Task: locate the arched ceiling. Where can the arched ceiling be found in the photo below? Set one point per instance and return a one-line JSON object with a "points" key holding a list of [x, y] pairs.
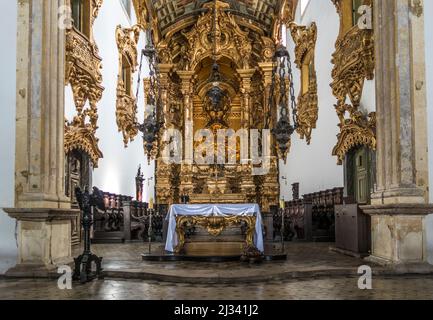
{"points": [[167, 14]]}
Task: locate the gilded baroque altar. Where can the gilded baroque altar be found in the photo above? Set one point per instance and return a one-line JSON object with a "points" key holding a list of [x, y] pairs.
{"points": [[244, 51]]}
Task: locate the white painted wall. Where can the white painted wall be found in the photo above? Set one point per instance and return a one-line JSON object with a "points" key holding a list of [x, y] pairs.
{"points": [[8, 30], [117, 170], [428, 12]]}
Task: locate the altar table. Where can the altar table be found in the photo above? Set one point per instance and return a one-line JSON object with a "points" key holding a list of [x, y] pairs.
{"points": [[215, 215]]}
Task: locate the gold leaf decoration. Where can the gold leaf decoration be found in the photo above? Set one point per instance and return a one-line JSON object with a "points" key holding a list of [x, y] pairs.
{"points": [[83, 73], [353, 63], [308, 110]]}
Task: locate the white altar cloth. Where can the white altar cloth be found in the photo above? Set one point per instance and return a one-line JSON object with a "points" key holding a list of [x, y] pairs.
{"points": [[208, 210]]}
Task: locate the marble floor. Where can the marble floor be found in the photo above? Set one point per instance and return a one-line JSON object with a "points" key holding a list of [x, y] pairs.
{"points": [[312, 271], [308, 259], [393, 288]]}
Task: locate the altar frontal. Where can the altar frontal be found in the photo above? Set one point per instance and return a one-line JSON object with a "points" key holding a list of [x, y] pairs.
{"points": [[214, 218]]}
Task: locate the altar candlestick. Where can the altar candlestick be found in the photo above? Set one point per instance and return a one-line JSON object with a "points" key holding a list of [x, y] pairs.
{"points": [[151, 203]]}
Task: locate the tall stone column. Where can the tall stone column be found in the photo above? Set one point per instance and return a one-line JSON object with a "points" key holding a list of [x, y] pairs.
{"points": [[399, 203], [41, 207]]}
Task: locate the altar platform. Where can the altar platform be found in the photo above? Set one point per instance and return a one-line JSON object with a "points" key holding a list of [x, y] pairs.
{"points": [[226, 252]]}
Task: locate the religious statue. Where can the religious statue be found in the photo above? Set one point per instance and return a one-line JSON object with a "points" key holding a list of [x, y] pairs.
{"points": [[139, 185]]}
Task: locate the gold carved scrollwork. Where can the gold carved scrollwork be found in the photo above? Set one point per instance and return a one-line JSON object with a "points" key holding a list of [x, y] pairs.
{"points": [[96, 6], [268, 49], [358, 130], [83, 73], [305, 40], [215, 226], [126, 107], [231, 41], [353, 63]]}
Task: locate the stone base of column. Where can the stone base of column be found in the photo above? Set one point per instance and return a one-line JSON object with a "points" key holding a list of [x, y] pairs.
{"points": [[398, 235], [44, 241], [399, 196], [402, 268]]}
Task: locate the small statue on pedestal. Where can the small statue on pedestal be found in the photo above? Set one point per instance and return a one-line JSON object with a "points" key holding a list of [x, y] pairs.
{"points": [[295, 191], [139, 179], [184, 198]]}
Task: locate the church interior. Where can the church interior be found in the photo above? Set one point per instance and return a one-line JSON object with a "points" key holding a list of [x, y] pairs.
{"points": [[216, 149]]}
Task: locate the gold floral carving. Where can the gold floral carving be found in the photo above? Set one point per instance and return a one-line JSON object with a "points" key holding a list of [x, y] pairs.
{"points": [[305, 40], [81, 136], [231, 41], [358, 130], [353, 63], [268, 49], [126, 107], [96, 6], [83, 73]]}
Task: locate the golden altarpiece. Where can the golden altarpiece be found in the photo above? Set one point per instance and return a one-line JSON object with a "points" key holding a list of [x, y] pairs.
{"points": [[244, 49]]}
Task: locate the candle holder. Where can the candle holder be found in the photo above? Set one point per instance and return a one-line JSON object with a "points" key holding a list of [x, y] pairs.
{"points": [[149, 230], [282, 229]]}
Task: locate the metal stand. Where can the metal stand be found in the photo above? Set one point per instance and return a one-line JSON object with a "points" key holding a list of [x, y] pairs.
{"points": [[149, 230], [83, 264], [282, 229]]}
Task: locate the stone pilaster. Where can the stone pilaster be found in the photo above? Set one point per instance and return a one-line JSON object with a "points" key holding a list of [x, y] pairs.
{"points": [[401, 108], [39, 165], [399, 203], [41, 207]]}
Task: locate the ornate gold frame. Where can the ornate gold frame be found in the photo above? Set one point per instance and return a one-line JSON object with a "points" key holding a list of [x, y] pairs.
{"points": [[308, 109], [126, 106], [83, 73], [215, 226], [353, 63]]}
